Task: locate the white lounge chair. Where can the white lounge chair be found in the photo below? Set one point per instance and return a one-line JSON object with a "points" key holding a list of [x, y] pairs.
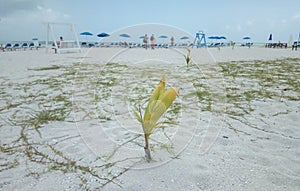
{"points": [[8, 46]]}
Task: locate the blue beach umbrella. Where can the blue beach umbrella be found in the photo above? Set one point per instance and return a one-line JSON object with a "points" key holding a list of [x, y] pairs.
{"points": [[34, 39], [125, 35], [217, 37], [184, 38], [86, 34], [163, 36], [247, 38], [102, 35], [213, 37]]}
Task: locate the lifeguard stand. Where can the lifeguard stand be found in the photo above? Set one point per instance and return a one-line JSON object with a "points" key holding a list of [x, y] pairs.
{"points": [[200, 40], [69, 44]]}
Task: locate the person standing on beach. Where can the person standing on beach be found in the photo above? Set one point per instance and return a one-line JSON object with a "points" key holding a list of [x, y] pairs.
{"points": [[152, 41], [232, 43], [145, 40], [172, 41], [60, 40], [59, 43]]}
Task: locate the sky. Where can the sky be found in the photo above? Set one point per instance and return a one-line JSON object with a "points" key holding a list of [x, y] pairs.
{"points": [[24, 19]]}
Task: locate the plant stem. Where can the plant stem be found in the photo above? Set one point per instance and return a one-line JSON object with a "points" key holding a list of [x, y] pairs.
{"points": [[147, 150]]}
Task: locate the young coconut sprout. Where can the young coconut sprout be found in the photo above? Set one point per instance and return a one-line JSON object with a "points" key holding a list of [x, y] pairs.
{"points": [[187, 57], [158, 104]]}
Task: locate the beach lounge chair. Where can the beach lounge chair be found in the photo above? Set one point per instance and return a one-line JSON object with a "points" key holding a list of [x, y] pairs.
{"points": [[31, 45], [16, 46], [25, 45], [295, 45], [8, 46], [83, 44]]}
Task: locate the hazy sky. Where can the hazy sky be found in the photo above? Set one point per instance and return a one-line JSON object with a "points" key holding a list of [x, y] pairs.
{"points": [[23, 19]]}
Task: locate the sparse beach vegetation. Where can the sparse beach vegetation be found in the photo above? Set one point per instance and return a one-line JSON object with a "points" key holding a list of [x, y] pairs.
{"points": [[33, 106]]}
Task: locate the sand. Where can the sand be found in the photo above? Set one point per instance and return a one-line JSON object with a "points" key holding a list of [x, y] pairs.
{"points": [[67, 120]]}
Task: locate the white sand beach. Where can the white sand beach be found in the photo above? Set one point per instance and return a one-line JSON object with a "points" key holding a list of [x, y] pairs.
{"points": [[67, 120]]}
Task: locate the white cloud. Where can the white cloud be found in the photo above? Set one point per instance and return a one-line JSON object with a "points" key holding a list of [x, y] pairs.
{"points": [[11, 7], [39, 7], [29, 21], [297, 16]]}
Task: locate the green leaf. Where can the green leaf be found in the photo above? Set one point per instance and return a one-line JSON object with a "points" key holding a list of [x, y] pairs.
{"points": [[137, 116]]}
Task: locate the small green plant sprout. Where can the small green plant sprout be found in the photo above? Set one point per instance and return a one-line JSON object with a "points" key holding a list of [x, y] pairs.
{"points": [[160, 100], [188, 57]]}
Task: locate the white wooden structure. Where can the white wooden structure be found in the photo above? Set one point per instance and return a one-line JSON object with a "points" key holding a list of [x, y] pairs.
{"points": [[66, 45]]}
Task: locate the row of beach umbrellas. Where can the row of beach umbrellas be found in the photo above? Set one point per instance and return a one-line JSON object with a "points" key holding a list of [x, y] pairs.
{"points": [[103, 34], [162, 36], [223, 37], [217, 37], [124, 35], [91, 34]]}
